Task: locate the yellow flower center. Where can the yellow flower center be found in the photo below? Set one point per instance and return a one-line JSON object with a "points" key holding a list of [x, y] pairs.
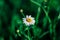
{"points": [[28, 19]]}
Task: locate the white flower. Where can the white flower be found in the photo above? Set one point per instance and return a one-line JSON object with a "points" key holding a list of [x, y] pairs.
{"points": [[29, 20]]}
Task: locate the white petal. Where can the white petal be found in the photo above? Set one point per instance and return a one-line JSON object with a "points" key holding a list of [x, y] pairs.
{"points": [[24, 18], [32, 18], [27, 16], [24, 21], [33, 22], [27, 24]]}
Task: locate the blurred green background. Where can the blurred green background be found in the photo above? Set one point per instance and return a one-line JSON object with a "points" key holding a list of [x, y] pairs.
{"points": [[45, 12]]}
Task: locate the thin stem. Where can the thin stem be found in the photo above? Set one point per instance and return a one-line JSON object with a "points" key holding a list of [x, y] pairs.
{"points": [[50, 26], [38, 14], [23, 14], [28, 35], [54, 31], [44, 34], [35, 3]]}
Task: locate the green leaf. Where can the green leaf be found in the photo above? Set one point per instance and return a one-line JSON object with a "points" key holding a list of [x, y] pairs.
{"points": [[44, 22], [37, 31], [38, 14]]}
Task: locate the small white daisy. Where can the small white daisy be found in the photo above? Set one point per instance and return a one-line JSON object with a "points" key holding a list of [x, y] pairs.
{"points": [[29, 20]]}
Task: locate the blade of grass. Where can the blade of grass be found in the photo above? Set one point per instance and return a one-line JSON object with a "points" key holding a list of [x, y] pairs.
{"points": [[22, 12], [35, 3], [38, 14], [50, 22], [44, 34]]}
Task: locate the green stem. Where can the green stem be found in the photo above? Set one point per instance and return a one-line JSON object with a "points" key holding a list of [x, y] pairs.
{"points": [[44, 34], [50, 28], [54, 31], [50, 22], [35, 3], [38, 14], [23, 14], [28, 35]]}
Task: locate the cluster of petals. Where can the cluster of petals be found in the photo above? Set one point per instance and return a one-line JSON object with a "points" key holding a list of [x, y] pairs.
{"points": [[29, 20]]}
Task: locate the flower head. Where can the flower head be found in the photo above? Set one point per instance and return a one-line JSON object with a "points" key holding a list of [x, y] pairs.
{"points": [[18, 31], [21, 10], [29, 20]]}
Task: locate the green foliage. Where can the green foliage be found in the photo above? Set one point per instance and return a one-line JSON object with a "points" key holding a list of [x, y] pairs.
{"points": [[11, 22]]}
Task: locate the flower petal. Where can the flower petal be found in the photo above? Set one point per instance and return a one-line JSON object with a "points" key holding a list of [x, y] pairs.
{"points": [[27, 16], [33, 22], [28, 23], [24, 19], [32, 18]]}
